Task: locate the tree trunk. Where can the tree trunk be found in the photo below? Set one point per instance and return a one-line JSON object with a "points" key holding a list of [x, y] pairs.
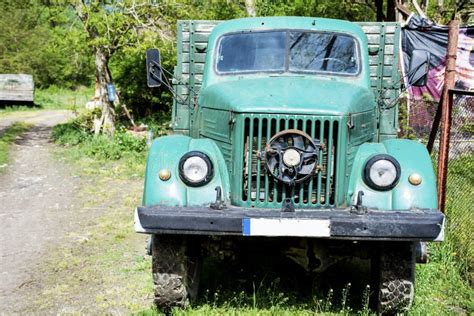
{"points": [[418, 9], [379, 6], [106, 123], [390, 16], [250, 7]]}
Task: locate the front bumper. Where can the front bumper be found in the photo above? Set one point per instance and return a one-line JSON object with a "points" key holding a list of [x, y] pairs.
{"points": [[416, 224]]}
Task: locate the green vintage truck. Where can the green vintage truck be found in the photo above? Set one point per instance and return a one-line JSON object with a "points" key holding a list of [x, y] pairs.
{"points": [[285, 134]]}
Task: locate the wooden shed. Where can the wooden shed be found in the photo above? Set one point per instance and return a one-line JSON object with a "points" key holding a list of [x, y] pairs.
{"points": [[16, 88]]}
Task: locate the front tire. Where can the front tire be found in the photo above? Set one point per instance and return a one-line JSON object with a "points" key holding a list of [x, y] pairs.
{"points": [[394, 266], [176, 269]]}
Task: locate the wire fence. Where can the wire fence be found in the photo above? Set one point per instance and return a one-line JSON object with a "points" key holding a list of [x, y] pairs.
{"points": [[460, 182]]}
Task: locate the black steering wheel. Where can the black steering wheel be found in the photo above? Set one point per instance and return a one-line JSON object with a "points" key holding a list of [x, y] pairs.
{"points": [[292, 156]]}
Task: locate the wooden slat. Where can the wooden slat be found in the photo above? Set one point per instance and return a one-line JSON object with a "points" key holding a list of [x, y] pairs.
{"points": [[201, 47], [198, 58], [16, 87], [387, 71], [18, 95], [374, 39], [373, 29], [374, 60], [198, 37], [185, 78], [198, 68]]}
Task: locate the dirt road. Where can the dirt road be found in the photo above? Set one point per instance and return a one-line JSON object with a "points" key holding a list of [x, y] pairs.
{"points": [[36, 207]]}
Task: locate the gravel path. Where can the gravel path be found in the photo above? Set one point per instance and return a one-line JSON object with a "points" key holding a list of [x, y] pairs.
{"points": [[36, 207]]}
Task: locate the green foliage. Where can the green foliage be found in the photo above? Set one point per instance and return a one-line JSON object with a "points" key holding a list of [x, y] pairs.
{"points": [[440, 286], [99, 147], [346, 10], [467, 128], [460, 198], [128, 69], [7, 137], [45, 41], [449, 9], [447, 276], [406, 131], [54, 97], [70, 134]]}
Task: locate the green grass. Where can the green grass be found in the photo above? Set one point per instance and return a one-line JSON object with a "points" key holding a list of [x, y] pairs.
{"points": [[445, 283], [60, 98], [443, 286], [459, 202], [122, 156], [102, 266], [53, 98], [7, 138]]}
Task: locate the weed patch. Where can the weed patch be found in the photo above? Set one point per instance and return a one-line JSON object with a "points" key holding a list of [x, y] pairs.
{"points": [[52, 98], [7, 138], [102, 268], [120, 155], [55, 97]]}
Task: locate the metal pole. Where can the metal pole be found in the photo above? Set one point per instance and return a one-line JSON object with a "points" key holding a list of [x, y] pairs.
{"points": [[434, 128], [447, 105]]}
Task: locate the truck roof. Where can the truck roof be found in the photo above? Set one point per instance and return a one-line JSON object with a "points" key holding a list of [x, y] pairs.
{"points": [[289, 22]]}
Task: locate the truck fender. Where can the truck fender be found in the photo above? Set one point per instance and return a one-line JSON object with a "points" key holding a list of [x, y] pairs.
{"points": [[165, 153], [413, 158]]}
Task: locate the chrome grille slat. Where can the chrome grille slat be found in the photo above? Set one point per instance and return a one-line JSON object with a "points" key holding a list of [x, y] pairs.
{"points": [[259, 189], [267, 135], [321, 156], [329, 163]]}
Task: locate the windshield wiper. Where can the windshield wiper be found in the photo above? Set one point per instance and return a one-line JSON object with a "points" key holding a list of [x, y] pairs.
{"points": [[297, 40]]}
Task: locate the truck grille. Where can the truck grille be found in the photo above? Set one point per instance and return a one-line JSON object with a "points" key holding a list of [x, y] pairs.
{"points": [[260, 189]]}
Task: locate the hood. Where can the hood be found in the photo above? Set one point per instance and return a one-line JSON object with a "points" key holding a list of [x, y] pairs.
{"points": [[287, 95]]}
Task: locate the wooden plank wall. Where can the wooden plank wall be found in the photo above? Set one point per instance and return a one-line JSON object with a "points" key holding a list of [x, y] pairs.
{"points": [[192, 39], [384, 72], [16, 87]]}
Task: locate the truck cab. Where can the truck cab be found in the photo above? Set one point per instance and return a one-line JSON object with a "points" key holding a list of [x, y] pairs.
{"points": [[286, 127]]}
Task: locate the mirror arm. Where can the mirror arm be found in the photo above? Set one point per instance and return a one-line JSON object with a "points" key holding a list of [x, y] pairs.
{"points": [[381, 103], [153, 66], [172, 76]]}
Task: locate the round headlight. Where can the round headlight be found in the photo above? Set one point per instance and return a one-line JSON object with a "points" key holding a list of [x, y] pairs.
{"points": [[195, 168], [382, 172]]}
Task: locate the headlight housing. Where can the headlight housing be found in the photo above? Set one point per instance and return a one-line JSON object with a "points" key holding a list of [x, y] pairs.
{"points": [[195, 169], [382, 172]]}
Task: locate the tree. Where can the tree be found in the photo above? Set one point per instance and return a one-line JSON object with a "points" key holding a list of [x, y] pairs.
{"points": [[250, 7], [110, 27], [45, 41]]}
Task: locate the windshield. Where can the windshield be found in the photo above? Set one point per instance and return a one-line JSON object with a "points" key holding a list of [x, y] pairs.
{"points": [[294, 51]]}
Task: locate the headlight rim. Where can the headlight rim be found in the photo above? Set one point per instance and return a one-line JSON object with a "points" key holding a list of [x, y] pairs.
{"points": [[207, 160], [368, 166]]}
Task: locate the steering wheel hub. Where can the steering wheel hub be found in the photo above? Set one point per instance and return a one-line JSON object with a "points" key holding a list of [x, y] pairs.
{"points": [[291, 156]]}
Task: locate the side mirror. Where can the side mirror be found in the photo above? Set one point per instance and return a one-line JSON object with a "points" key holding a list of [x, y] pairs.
{"points": [[419, 66], [153, 68]]}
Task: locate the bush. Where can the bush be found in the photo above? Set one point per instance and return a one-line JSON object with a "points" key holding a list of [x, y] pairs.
{"points": [[129, 71], [101, 147]]}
